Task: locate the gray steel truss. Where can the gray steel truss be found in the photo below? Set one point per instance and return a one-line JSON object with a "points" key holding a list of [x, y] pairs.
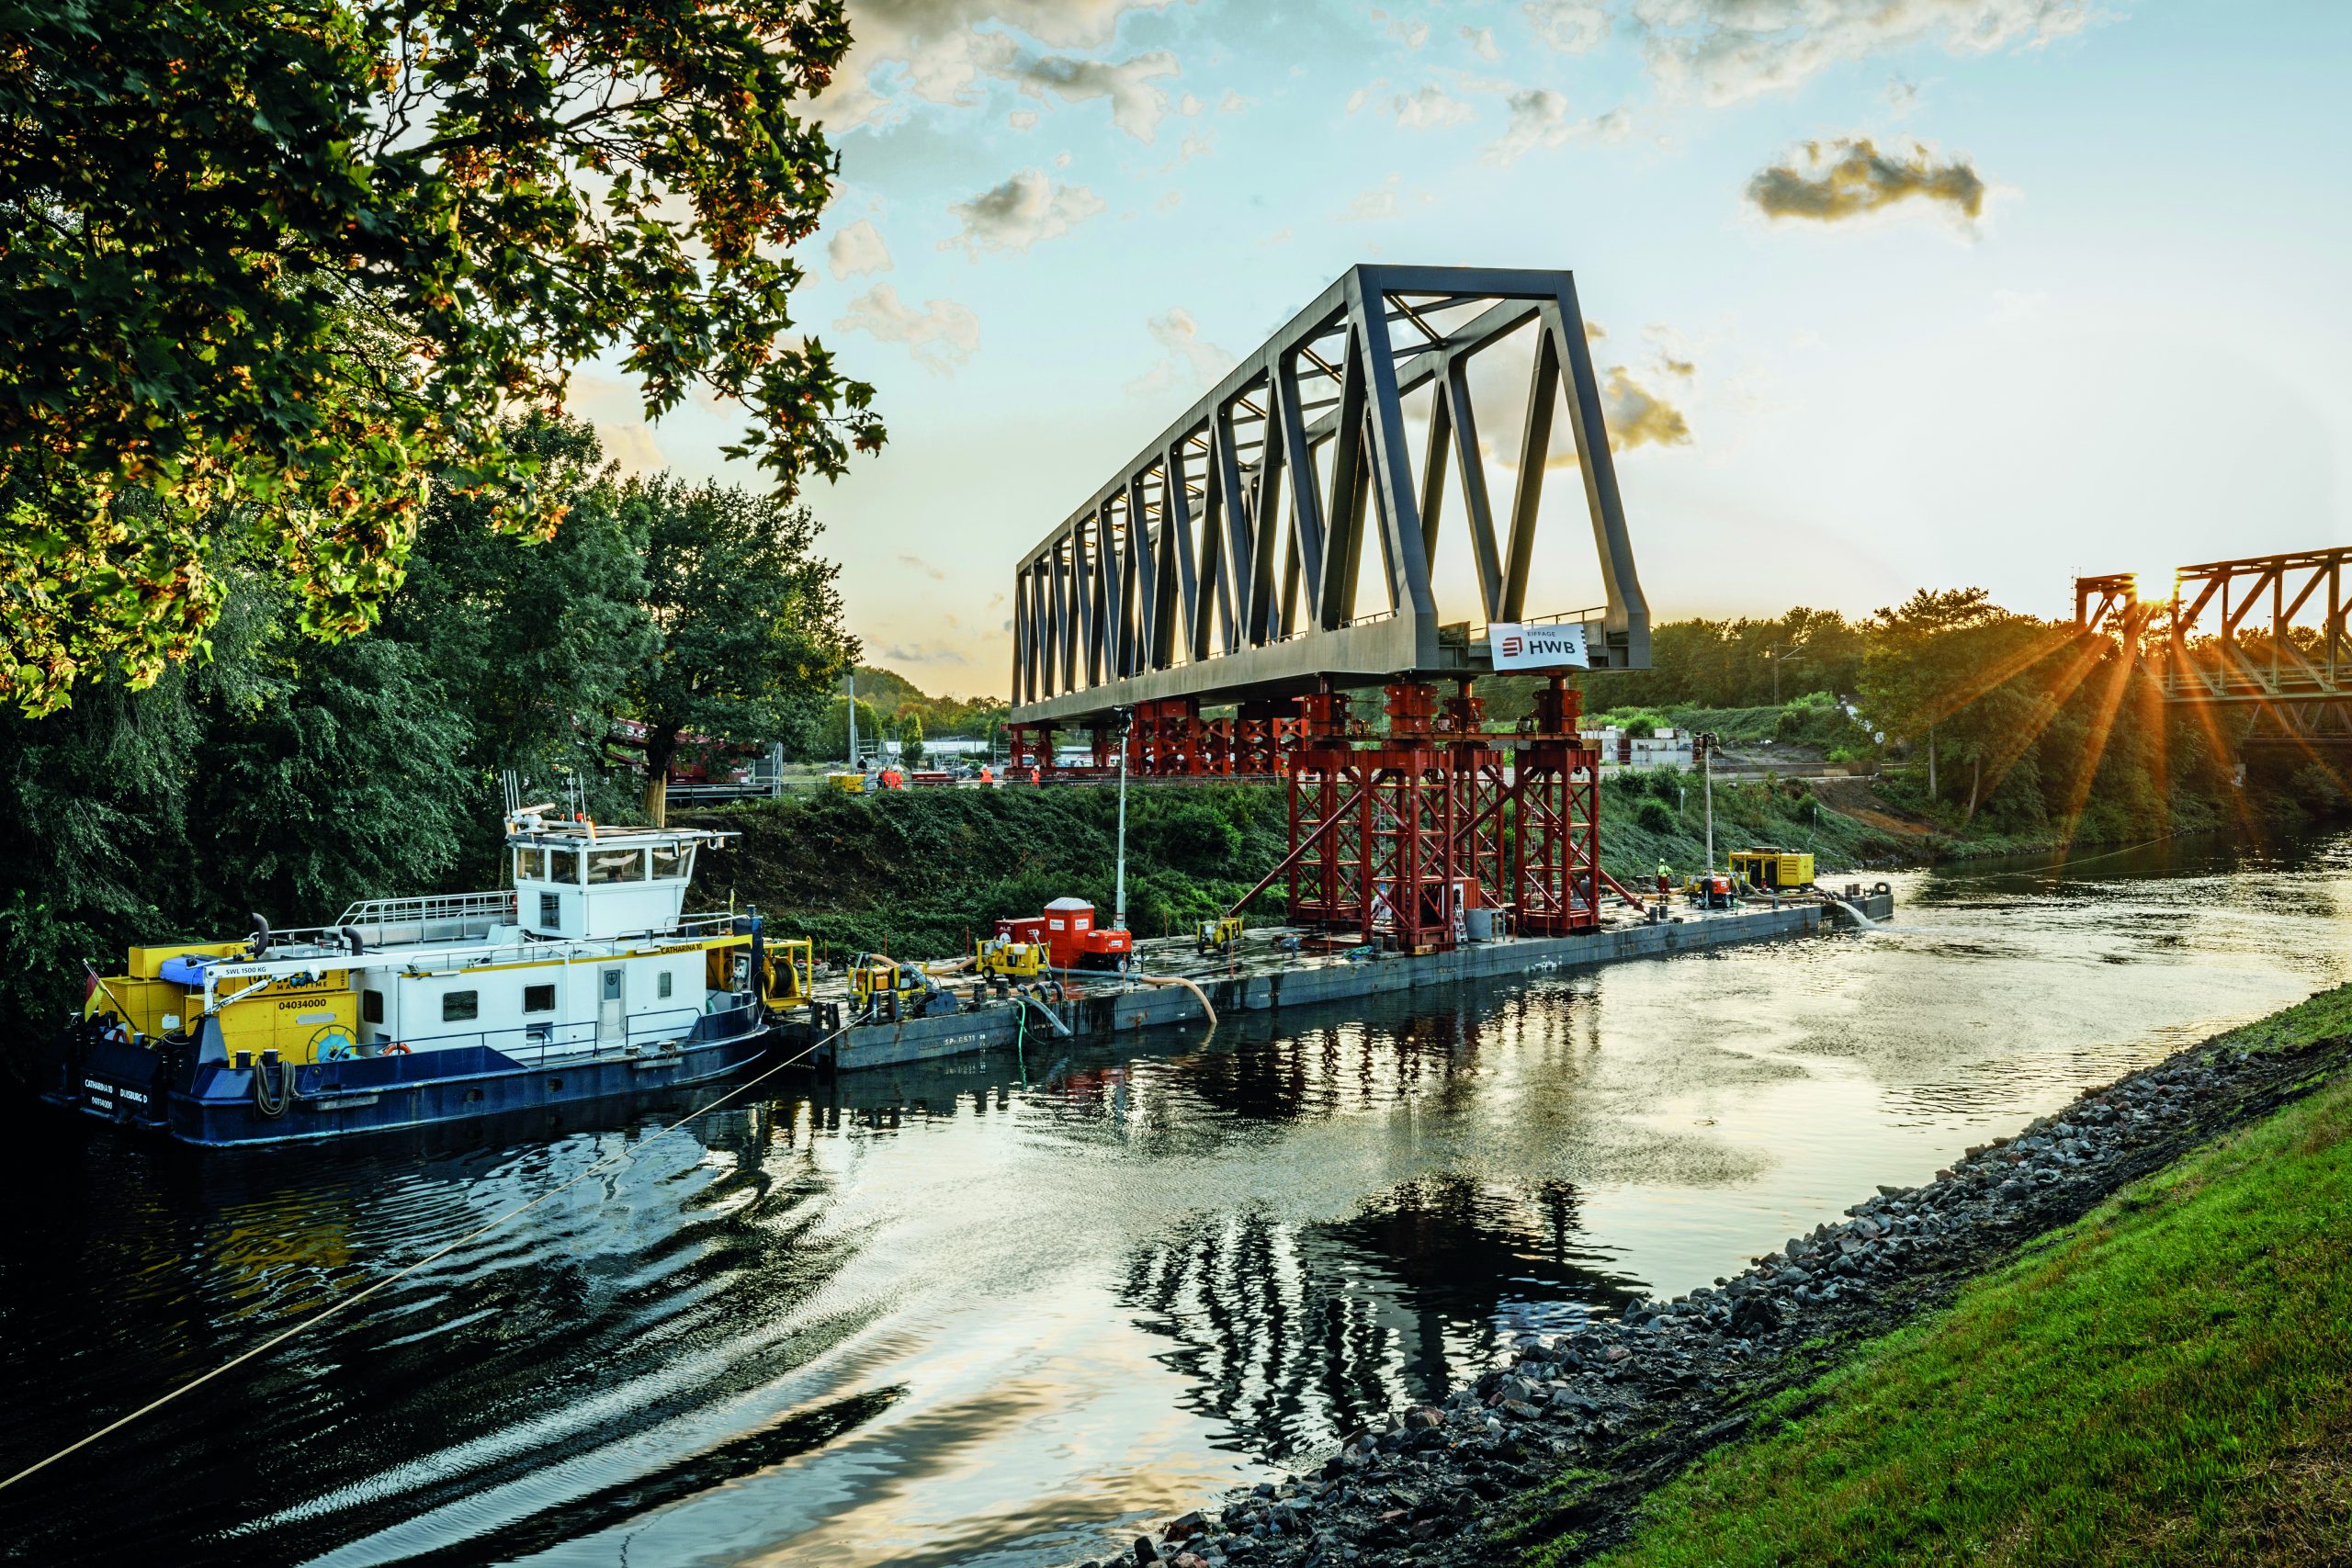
{"points": [[1223, 561], [2261, 629]]}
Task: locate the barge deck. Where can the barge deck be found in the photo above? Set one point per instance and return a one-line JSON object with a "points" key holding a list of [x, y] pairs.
{"points": [[1261, 977]]}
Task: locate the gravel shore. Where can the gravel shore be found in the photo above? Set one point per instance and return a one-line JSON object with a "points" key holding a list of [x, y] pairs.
{"points": [[1562, 1441]]}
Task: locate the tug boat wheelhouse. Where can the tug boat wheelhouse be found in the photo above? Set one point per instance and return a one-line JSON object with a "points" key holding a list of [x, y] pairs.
{"points": [[584, 982]]}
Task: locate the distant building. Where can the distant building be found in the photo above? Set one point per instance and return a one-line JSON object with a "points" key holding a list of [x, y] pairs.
{"points": [[1662, 749]]}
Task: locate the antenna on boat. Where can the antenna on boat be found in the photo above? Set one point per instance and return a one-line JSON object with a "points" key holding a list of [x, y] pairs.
{"points": [[513, 784]]}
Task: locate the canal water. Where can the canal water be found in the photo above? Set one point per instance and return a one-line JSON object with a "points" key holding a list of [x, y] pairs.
{"points": [[990, 1312]]}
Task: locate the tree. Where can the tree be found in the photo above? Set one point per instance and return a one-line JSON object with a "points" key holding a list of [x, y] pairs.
{"points": [[910, 739], [271, 275], [750, 622], [831, 739], [534, 640]]}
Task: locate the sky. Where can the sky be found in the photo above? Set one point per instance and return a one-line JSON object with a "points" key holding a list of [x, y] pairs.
{"points": [[1901, 293]]}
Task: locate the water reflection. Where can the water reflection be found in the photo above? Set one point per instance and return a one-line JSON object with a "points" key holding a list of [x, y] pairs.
{"points": [[971, 1313]]}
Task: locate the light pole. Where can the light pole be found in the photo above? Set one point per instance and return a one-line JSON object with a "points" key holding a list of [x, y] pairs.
{"points": [[1705, 741], [852, 719], [1119, 908]]}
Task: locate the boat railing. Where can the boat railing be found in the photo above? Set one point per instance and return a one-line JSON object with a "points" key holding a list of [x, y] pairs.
{"points": [[433, 917]]}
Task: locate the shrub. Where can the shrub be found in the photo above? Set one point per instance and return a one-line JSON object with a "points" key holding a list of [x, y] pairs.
{"points": [[1654, 817]]}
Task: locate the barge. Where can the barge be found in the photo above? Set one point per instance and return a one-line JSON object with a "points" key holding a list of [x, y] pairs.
{"points": [[1173, 982], [580, 983]]}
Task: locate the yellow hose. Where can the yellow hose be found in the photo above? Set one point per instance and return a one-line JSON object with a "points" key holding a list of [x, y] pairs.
{"points": [[1199, 995]]}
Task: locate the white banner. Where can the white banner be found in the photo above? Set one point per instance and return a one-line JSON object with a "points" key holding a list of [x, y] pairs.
{"points": [[1557, 647]]}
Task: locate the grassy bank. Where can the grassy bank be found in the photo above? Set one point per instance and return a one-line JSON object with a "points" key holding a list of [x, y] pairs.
{"points": [[2167, 1381], [921, 870]]}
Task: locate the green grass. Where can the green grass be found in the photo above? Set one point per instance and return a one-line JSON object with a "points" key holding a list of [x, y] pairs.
{"points": [[2166, 1381]]}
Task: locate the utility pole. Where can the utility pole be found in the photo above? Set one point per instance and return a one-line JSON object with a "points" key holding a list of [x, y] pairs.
{"points": [[1706, 743], [1119, 908], [853, 718]]}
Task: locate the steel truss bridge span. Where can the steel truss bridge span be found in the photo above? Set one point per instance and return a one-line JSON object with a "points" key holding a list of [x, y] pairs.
{"points": [[2265, 632], [1223, 562]]}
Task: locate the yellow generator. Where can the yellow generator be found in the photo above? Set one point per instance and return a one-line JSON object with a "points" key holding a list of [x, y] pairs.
{"points": [[1012, 960], [872, 974], [1218, 935], [1779, 870], [848, 783]]}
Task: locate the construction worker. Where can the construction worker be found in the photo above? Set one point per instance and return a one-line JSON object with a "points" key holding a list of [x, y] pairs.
{"points": [[1665, 881]]}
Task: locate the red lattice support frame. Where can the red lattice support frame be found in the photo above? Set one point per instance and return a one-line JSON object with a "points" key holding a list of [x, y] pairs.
{"points": [[1555, 850], [1327, 878], [1408, 840], [1032, 746]]}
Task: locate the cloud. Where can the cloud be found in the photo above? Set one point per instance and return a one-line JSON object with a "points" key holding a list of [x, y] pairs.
{"points": [[1425, 108], [1637, 416], [1026, 208], [1902, 95], [1196, 144], [1232, 103], [1722, 50], [1187, 360], [1539, 118], [629, 443], [1572, 27], [942, 335], [937, 51], [1022, 119], [1136, 107], [1411, 34], [1850, 178], [857, 250], [914, 562], [1383, 200], [1482, 43]]}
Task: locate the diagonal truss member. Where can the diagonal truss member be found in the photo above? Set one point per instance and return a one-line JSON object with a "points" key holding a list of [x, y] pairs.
{"points": [[1223, 562]]}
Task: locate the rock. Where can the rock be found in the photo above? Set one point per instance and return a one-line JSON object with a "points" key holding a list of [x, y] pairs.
{"points": [[1185, 1526], [1422, 1417], [1145, 1551]]}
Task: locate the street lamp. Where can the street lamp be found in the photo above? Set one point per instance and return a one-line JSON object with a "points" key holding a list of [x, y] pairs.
{"points": [[1127, 719]]}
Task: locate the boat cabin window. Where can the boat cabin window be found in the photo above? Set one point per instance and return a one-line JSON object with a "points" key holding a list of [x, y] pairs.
{"points": [[665, 986], [563, 865], [672, 860], [615, 865], [372, 1007], [460, 1006], [550, 911], [526, 865], [539, 999]]}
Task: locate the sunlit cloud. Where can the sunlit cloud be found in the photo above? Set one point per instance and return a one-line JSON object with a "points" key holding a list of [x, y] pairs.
{"points": [[1025, 209], [1187, 360], [1723, 50], [1830, 182], [857, 250], [941, 336]]}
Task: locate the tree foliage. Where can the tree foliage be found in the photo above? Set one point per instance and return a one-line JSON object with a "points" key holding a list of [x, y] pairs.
{"points": [[748, 621], [270, 275]]}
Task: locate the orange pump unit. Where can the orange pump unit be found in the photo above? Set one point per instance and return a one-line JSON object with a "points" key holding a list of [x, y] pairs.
{"points": [[1071, 939]]}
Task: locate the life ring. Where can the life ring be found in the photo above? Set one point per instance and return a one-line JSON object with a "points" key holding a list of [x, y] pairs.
{"points": [[395, 1049]]}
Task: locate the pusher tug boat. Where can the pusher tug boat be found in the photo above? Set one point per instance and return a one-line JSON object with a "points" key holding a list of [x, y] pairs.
{"points": [[584, 982]]}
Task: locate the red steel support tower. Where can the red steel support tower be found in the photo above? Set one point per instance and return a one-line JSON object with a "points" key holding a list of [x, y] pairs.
{"points": [[1555, 851]]}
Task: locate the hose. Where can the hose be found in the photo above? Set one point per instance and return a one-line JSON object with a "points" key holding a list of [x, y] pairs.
{"points": [[1198, 994]]}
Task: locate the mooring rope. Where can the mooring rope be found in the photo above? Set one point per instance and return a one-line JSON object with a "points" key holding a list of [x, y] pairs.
{"points": [[363, 1293]]}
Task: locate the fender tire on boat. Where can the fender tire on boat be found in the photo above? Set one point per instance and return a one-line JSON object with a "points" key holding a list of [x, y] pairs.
{"points": [[395, 1049]]}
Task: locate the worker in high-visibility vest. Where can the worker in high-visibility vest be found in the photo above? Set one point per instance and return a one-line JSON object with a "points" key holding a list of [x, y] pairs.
{"points": [[1665, 881]]}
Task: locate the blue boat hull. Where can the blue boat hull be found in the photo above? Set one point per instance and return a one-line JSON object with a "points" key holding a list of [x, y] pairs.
{"points": [[212, 1103]]}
